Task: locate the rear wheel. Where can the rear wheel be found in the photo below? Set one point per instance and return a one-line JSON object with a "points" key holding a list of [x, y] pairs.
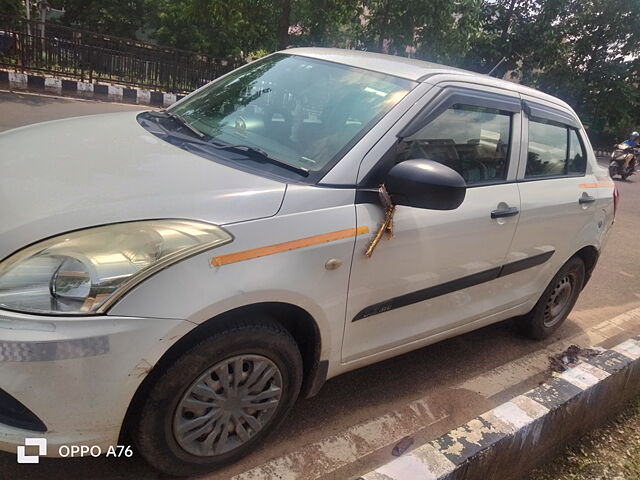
{"points": [[219, 398], [556, 302]]}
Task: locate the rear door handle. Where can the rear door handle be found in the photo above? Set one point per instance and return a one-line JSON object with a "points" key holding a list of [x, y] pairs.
{"points": [[586, 198], [505, 212]]}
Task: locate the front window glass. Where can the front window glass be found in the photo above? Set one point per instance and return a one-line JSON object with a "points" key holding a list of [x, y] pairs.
{"points": [[299, 110], [474, 141]]}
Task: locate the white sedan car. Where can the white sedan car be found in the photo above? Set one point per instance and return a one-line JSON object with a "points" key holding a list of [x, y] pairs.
{"points": [[182, 276]]}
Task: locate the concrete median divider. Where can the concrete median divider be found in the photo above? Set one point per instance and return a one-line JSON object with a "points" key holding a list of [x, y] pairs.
{"points": [[508, 441], [87, 90]]}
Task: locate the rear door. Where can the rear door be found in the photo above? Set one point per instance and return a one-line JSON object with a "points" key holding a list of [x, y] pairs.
{"points": [[558, 192]]}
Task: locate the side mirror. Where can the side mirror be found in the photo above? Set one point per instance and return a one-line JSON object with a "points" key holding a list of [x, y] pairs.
{"points": [[423, 183]]}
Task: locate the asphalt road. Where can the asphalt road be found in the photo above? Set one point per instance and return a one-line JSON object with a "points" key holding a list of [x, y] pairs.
{"points": [[17, 110], [377, 404]]}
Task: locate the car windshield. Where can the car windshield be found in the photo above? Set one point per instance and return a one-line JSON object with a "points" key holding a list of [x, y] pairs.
{"points": [[297, 110]]}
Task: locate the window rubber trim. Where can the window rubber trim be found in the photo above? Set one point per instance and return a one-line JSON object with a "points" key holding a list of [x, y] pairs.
{"points": [[537, 110], [454, 95]]}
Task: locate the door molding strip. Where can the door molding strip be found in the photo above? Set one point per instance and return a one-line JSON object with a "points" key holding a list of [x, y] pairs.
{"points": [[453, 285]]}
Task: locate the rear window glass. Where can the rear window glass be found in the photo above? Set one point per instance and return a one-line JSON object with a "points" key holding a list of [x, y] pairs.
{"points": [[554, 150]]}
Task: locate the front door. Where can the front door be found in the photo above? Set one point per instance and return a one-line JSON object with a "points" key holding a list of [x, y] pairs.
{"points": [[440, 270]]}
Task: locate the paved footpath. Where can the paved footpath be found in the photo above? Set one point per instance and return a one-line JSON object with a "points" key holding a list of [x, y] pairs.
{"points": [[352, 425]]}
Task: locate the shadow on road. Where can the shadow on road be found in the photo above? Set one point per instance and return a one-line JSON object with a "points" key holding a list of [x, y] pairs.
{"points": [[32, 100]]}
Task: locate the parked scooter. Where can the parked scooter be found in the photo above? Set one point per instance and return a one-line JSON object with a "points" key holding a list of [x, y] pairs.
{"points": [[624, 153]]}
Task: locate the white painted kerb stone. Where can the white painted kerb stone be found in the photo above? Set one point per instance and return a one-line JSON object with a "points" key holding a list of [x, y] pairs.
{"points": [[85, 89], [168, 99], [114, 93], [144, 97], [17, 80], [630, 349]]}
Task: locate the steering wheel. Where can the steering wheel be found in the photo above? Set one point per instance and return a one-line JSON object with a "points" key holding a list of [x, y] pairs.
{"points": [[419, 147], [484, 169]]}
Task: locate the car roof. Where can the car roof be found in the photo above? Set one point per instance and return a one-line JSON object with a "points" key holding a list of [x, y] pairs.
{"points": [[416, 70]]}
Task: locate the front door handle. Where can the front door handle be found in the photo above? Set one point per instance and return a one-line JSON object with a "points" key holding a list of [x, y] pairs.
{"points": [[586, 198], [505, 212]]}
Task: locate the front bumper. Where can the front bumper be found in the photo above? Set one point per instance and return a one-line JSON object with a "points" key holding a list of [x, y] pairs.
{"points": [[77, 375]]}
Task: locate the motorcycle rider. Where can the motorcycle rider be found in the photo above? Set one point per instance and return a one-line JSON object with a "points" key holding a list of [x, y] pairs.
{"points": [[632, 142], [634, 139]]}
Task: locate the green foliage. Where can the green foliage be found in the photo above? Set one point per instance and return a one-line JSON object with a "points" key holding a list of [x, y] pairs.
{"points": [[122, 18], [333, 23], [437, 30], [217, 27], [11, 8], [592, 69]]}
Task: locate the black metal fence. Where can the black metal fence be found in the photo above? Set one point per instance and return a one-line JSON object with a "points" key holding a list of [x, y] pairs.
{"points": [[90, 56]]}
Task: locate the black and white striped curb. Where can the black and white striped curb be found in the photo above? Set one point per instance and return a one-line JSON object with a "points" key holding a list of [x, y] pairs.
{"points": [[508, 441], [98, 91]]}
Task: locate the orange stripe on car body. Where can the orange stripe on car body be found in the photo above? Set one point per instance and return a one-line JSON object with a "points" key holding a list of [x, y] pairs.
{"points": [[597, 185], [287, 246]]}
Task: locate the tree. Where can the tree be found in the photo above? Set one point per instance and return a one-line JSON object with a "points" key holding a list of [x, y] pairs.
{"points": [[116, 17], [449, 30], [12, 8], [330, 23], [437, 30], [217, 27], [579, 50], [593, 68], [284, 21]]}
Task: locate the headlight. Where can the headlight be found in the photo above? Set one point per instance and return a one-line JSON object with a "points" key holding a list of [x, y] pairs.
{"points": [[86, 271]]}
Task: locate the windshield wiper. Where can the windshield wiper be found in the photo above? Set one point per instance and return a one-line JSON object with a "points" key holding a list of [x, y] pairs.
{"points": [[181, 120], [264, 155], [219, 145]]}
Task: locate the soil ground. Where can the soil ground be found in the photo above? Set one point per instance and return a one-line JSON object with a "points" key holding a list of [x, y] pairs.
{"points": [[608, 453]]}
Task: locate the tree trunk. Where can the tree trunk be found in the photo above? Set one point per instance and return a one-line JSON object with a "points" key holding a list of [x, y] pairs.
{"points": [[28, 7], [383, 26], [283, 24], [507, 21]]}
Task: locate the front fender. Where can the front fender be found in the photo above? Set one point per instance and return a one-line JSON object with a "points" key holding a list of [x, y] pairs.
{"points": [[196, 291]]}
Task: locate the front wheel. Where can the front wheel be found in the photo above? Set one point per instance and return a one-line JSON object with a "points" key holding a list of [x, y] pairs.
{"points": [[556, 302], [219, 398], [613, 170]]}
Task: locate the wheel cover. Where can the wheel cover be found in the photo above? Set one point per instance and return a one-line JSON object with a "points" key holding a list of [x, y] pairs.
{"points": [[559, 301], [227, 405]]}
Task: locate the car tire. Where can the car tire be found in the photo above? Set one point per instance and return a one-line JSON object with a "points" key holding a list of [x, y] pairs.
{"points": [[194, 390], [556, 302]]}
